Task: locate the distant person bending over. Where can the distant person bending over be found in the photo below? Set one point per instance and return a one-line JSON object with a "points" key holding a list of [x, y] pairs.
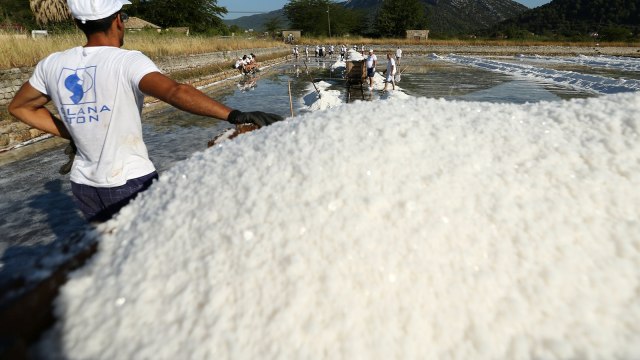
{"points": [[99, 91], [390, 72], [255, 65], [250, 64], [240, 64], [372, 61]]}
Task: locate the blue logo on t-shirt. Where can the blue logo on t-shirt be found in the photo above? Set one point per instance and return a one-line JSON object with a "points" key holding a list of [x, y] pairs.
{"points": [[77, 86]]}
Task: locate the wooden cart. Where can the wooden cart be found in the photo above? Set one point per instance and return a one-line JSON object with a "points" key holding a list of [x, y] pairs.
{"points": [[356, 77]]}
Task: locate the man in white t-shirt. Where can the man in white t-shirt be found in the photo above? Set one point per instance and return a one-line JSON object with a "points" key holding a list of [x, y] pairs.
{"points": [[398, 55], [390, 72], [371, 62], [98, 90]]}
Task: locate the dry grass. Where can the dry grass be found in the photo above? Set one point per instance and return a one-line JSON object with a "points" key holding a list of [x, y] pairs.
{"points": [[170, 45], [20, 52]]}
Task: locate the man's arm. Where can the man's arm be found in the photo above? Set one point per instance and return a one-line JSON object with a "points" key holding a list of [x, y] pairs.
{"points": [[28, 106], [184, 97], [187, 98]]}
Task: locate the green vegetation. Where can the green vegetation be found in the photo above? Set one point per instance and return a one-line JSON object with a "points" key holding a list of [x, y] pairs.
{"points": [[272, 25], [314, 16], [397, 16], [16, 13], [201, 16], [608, 20]]}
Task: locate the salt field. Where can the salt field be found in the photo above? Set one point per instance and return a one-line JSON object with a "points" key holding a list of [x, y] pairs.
{"points": [[486, 209]]}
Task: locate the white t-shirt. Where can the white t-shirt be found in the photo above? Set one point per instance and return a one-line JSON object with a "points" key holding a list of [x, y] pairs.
{"points": [[399, 53], [95, 90], [391, 67], [370, 59]]}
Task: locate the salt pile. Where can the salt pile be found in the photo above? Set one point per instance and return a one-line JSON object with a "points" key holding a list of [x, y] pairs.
{"points": [[322, 98], [404, 229], [354, 55]]}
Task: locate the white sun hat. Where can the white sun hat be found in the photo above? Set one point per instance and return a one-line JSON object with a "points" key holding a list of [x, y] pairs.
{"points": [[87, 10]]}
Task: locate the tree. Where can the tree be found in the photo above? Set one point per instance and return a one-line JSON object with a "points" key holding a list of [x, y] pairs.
{"points": [[198, 15], [313, 17], [395, 17], [272, 25], [579, 18], [15, 12]]}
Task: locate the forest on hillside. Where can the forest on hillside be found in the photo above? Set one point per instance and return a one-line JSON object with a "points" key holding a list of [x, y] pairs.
{"points": [[613, 20]]}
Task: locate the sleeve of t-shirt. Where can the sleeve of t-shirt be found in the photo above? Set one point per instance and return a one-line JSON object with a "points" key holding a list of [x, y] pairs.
{"points": [[139, 65], [37, 79]]}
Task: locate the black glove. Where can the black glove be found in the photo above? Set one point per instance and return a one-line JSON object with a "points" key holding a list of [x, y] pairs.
{"points": [[254, 117], [70, 151]]}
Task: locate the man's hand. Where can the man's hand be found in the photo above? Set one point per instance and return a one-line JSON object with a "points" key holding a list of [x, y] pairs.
{"points": [[255, 117], [70, 151]]}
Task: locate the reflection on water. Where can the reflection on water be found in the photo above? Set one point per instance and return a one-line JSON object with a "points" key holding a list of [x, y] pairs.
{"points": [[465, 83], [579, 68], [37, 211]]}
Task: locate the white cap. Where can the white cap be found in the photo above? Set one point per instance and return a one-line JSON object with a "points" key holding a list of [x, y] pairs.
{"points": [[370, 50], [87, 10]]}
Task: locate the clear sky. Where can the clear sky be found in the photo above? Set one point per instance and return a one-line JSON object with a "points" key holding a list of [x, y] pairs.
{"points": [[238, 8]]}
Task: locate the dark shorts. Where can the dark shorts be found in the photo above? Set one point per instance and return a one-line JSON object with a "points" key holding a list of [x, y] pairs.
{"points": [[100, 204], [371, 72]]}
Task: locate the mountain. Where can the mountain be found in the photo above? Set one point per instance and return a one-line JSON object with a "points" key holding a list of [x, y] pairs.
{"points": [[444, 16], [465, 16], [257, 21], [617, 18]]}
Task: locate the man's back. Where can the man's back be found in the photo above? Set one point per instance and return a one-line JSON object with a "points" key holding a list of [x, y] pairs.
{"points": [[95, 90]]}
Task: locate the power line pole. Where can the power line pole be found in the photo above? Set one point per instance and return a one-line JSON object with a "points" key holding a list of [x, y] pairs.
{"points": [[329, 20]]}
